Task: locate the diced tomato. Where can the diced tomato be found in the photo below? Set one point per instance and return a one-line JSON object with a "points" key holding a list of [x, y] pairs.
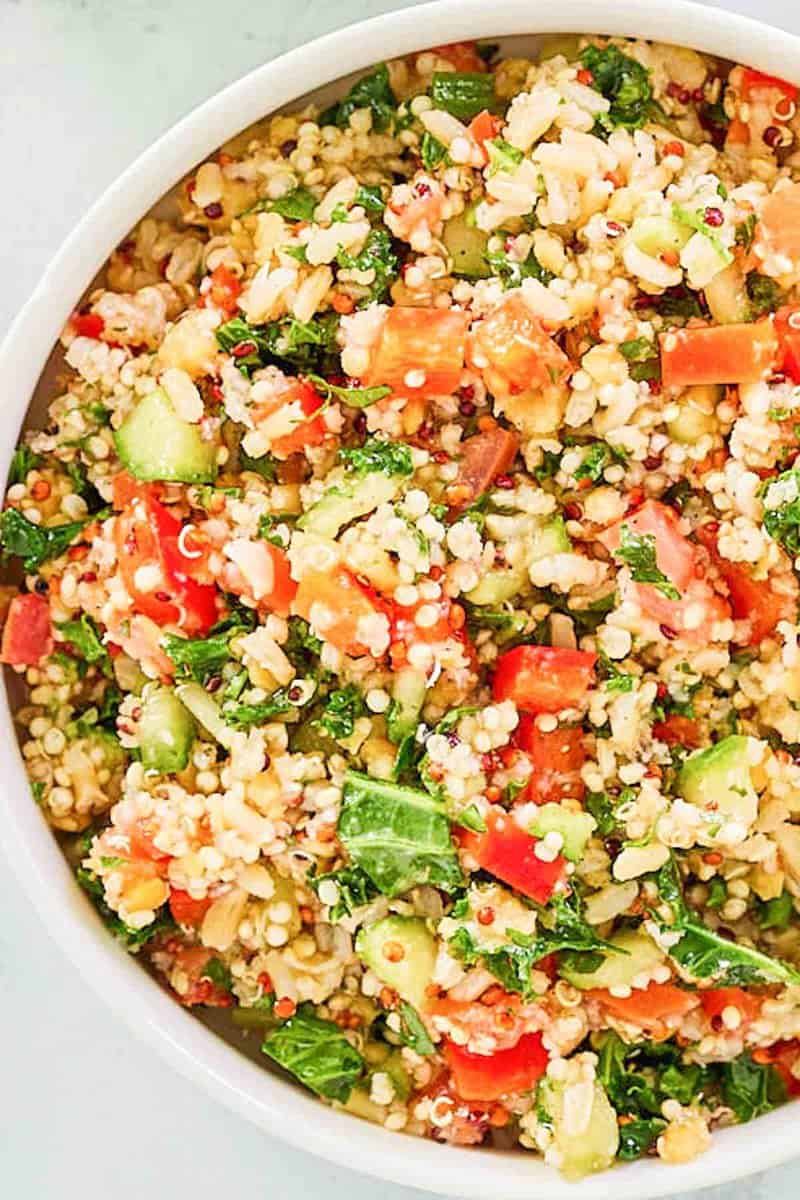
{"points": [[420, 209], [513, 353], [490, 1076], [787, 324], [28, 631], [193, 960], [284, 587], [778, 229], [718, 354], [506, 851], [263, 573], [766, 101], [335, 603], [676, 730], [483, 128], [142, 846], [125, 489], [225, 289], [676, 557], [648, 1007], [557, 758], [406, 630], [147, 536], [90, 325], [425, 342], [543, 679], [463, 56], [716, 1000], [784, 1056], [483, 458], [495, 1016], [186, 910], [307, 429], [757, 81], [752, 600]]}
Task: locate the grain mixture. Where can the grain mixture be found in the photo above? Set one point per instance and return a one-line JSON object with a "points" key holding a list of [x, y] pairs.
{"points": [[406, 597]]}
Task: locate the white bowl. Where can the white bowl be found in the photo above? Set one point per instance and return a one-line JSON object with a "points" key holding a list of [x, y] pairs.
{"points": [[249, 1088]]}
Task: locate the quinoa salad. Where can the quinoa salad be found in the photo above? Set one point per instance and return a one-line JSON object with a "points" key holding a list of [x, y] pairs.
{"points": [[404, 589]]}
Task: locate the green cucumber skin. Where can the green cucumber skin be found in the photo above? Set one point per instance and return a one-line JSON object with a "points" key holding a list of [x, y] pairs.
{"points": [[154, 444], [166, 732]]}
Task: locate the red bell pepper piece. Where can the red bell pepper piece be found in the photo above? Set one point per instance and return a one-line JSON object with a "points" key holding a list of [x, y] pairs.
{"points": [[490, 1076], [543, 679]]}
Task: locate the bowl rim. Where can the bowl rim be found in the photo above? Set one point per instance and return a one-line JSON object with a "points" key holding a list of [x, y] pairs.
{"points": [[275, 1105]]}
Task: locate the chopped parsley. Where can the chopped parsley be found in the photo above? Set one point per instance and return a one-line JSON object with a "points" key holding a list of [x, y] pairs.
{"points": [[763, 293], [354, 397], [502, 156], [373, 92], [378, 257], [598, 456], [23, 460], [625, 83], [377, 454], [463, 93], [513, 272], [746, 231], [432, 152], [638, 551], [342, 709], [782, 520], [37, 544], [297, 205], [644, 361], [84, 636]]}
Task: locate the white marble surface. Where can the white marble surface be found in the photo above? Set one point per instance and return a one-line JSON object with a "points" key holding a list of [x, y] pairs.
{"points": [[85, 1111]]}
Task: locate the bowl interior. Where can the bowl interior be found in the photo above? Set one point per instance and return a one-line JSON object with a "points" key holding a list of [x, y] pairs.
{"points": [[252, 1089]]}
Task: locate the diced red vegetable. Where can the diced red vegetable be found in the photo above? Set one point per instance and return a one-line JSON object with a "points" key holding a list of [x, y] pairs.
{"points": [[483, 457], [716, 1000], [28, 631], [225, 289], [493, 1018], [420, 352], [718, 354], [284, 587], [699, 606], [155, 570], [752, 600], [756, 81], [335, 603], [186, 910], [462, 55], [142, 847], [490, 1076], [557, 757], [543, 679], [508, 852], [307, 429], [90, 325], [193, 961], [784, 1056], [648, 1007], [514, 353], [483, 129], [787, 324], [676, 730], [675, 555]]}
